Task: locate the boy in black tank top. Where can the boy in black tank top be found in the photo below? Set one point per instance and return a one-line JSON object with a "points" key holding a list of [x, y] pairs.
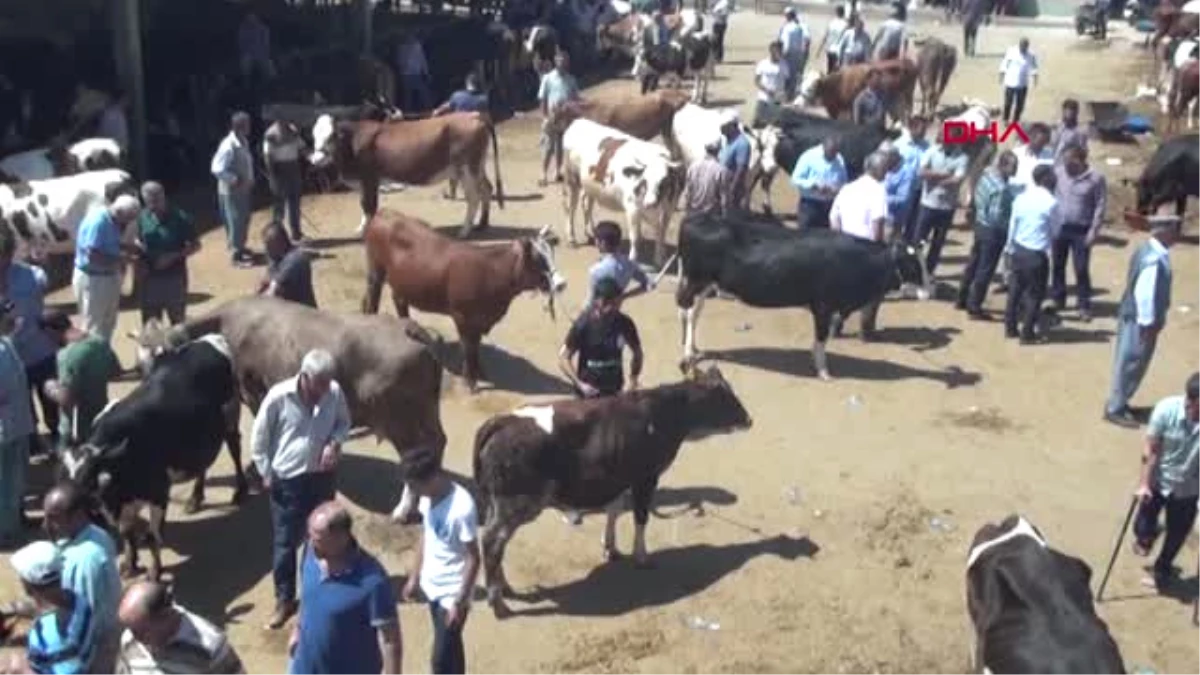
{"points": [[591, 356]]}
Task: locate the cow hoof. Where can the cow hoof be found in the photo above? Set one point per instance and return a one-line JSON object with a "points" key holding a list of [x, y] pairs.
{"points": [[824, 375], [643, 563], [500, 608], [612, 554], [192, 506]]}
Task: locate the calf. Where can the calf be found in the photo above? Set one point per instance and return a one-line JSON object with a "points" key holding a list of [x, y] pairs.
{"points": [[688, 56], [474, 285], [90, 154], [837, 90], [622, 173], [584, 454], [760, 262], [1031, 606], [935, 64], [169, 428], [45, 214], [1172, 174]]}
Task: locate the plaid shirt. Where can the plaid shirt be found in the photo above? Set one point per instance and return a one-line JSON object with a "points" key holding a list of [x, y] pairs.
{"points": [[993, 200]]}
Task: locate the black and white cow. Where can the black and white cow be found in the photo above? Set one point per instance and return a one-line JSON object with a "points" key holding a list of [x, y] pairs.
{"points": [[756, 259], [1032, 606], [691, 55], [45, 214], [89, 154], [170, 428]]}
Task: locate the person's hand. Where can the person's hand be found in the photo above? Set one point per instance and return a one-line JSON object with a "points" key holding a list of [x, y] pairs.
{"points": [[456, 613], [329, 457], [165, 261], [235, 182], [587, 389], [293, 641], [410, 588], [53, 389], [1143, 492]]}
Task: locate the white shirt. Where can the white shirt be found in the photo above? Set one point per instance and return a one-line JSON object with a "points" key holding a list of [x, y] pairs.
{"points": [[197, 647], [232, 160], [858, 207], [833, 35], [794, 36], [288, 436], [1027, 161], [276, 149], [450, 526], [1034, 223], [770, 75], [721, 9], [1018, 67], [1146, 284]]}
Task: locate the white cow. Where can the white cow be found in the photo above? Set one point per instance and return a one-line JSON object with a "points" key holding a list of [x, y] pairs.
{"points": [[694, 127], [622, 173], [40, 163], [45, 214]]}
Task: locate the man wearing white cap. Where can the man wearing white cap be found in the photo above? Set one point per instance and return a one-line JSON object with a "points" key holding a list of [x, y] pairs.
{"points": [[98, 254], [735, 157], [62, 639]]}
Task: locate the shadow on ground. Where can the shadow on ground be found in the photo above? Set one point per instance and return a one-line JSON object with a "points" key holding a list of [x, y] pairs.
{"points": [[505, 371], [798, 362]]}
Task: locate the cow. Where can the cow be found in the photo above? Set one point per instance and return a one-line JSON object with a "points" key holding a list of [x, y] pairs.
{"points": [[757, 260], [690, 55], [45, 214], [936, 62], [621, 173], [644, 116], [836, 91], [585, 454], [791, 132], [472, 284], [694, 128], [1172, 174], [415, 152], [1185, 86], [623, 37], [1031, 606], [169, 428], [384, 365], [90, 154]]}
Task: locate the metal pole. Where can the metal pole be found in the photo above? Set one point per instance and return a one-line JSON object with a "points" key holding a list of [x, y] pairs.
{"points": [[127, 55], [1117, 549]]}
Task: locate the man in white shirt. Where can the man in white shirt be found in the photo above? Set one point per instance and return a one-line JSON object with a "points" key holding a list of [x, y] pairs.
{"points": [[833, 37], [297, 439], [795, 39], [233, 167], [720, 18], [860, 210], [1037, 152], [282, 149], [1018, 71], [162, 637], [891, 40], [770, 77], [1031, 232], [414, 75]]}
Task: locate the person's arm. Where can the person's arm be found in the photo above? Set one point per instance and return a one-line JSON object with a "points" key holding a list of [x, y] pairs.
{"points": [[391, 647], [1012, 229], [955, 177], [381, 608], [414, 575], [468, 534], [1055, 223], [223, 164], [824, 40], [634, 342], [641, 279], [1098, 212], [1033, 69], [835, 214], [758, 81], [804, 176], [927, 173], [879, 217], [1151, 454], [268, 141], [442, 109], [1003, 67], [341, 424], [262, 442], [543, 96], [856, 108]]}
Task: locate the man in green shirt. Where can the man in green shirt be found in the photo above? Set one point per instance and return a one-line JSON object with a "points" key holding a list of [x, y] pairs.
{"points": [[1170, 479], [167, 238], [85, 365]]}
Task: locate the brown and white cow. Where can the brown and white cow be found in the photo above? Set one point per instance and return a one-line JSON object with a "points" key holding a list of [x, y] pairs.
{"points": [[621, 173], [936, 62], [1181, 97], [836, 91], [582, 455], [414, 152], [473, 284]]}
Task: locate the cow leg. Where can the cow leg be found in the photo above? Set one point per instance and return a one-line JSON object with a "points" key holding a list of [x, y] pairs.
{"points": [[471, 191], [643, 498], [571, 194], [660, 236], [589, 218], [400, 305], [129, 529], [193, 503], [634, 220], [823, 318], [472, 370], [369, 201], [609, 540], [233, 441], [158, 516], [404, 508], [690, 316], [506, 516], [374, 290]]}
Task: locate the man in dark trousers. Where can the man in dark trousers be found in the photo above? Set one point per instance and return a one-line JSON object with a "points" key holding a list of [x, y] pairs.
{"points": [[1082, 196], [282, 149], [591, 355], [993, 208], [1031, 234]]}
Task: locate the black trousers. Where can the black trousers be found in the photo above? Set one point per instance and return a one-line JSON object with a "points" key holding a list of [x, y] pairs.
{"points": [[813, 213], [986, 250], [719, 40], [448, 656], [1030, 271], [37, 375], [1014, 103], [1181, 515], [831, 62], [1071, 242], [970, 32]]}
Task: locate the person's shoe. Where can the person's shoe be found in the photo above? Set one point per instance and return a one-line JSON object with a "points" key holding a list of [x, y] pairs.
{"points": [[979, 315], [1122, 419], [1085, 315], [1139, 549], [960, 304], [283, 612], [1010, 334], [1032, 339]]}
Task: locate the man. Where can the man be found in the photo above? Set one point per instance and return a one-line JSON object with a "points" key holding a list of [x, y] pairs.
{"points": [[16, 425], [993, 208], [891, 40], [794, 37], [1169, 480], [598, 338], [1031, 232], [1082, 196], [297, 441], [1037, 152], [735, 157], [25, 286], [289, 270], [854, 46], [62, 639], [708, 185], [912, 146], [1018, 71], [614, 265], [868, 108], [282, 149], [974, 14], [98, 260], [860, 210], [831, 42], [557, 91], [720, 20], [819, 173], [1100, 7], [897, 185], [167, 238], [163, 637], [1069, 132], [233, 168], [348, 620], [1141, 316], [448, 558], [471, 98], [942, 171], [770, 79], [85, 363], [414, 74], [254, 47]]}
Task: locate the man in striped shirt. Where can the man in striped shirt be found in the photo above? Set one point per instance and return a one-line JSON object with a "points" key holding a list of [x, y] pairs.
{"points": [[993, 208], [162, 637]]}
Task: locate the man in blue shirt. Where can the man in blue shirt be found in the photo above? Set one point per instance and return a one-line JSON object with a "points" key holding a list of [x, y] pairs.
{"points": [[25, 286], [735, 156], [62, 638], [912, 147], [1031, 233], [97, 278], [348, 620], [993, 201], [795, 39], [468, 99], [614, 265], [819, 174]]}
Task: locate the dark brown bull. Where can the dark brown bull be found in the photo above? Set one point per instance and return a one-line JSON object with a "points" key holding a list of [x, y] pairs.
{"points": [[836, 91], [935, 64], [473, 285], [585, 454], [414, 152]]}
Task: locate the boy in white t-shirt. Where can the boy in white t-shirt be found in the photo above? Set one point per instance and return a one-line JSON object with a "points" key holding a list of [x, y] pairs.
{"points": [[770, 76], [448, 558]]}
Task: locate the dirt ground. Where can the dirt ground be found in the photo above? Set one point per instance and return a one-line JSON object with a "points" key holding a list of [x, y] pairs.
{"points": [[808, 538]]}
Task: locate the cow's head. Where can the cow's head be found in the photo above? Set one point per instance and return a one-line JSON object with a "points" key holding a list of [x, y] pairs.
{"points": [[331, 137], [649, 185], [713, 406], [537, 269], [87, 464], [910, 269]]}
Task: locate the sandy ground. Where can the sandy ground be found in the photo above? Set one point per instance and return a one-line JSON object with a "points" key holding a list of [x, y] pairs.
{"points": [[806, 538]]}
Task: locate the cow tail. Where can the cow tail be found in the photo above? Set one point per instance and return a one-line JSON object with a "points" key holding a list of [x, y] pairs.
{"points": [[496, 163], [485, 433]]}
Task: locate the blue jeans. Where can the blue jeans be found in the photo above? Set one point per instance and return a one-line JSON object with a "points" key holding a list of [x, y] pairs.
{"points": [[14, 458], [932, 227], [292, 501], [812, 213], [981, 266], [448, 656], [1131, 359], [235, 211], [1072, 241]]}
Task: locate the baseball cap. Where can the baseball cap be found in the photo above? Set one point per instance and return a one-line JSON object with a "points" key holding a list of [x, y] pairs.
{"points": [[38, 564]]}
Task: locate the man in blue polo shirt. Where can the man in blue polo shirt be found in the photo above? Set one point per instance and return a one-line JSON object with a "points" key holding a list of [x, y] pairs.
{"points": [[97, 278], [735, 156], [348, 621]]}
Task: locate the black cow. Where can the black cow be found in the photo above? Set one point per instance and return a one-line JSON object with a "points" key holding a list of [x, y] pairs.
{"points": [[764, 264], [790, 132], [169, 428], [692, 55], [585, 454], [1172, 174], [1032, 606]]}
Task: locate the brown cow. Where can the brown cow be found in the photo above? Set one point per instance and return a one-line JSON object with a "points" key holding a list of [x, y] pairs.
{"points": [[836, 91], [474, 285], [415, 152], [1185, 86], [935, 64], [643, 116]]}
